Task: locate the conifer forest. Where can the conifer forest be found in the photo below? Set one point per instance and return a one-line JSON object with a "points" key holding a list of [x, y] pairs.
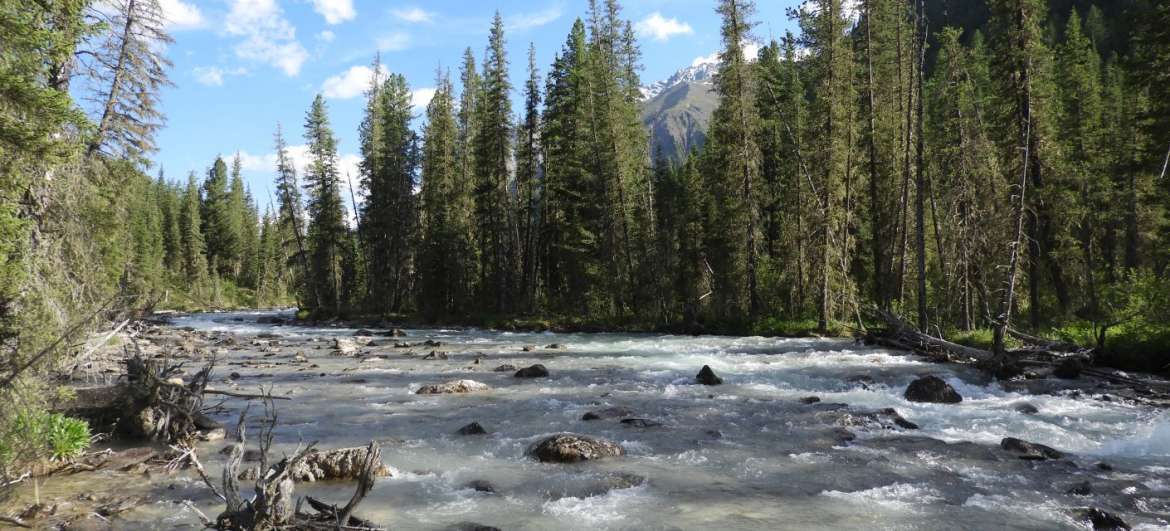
{"points": [[983, 185]]}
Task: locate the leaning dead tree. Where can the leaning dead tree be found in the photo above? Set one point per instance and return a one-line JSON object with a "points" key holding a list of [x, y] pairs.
{"points": [[271, 505]]}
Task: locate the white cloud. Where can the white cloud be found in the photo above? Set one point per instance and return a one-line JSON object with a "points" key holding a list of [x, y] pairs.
{"points": [[181, 15], [751, 50], [661, 28], [414, 14], [420, 98], [394, 42], [335, 11], [347, 164], [349, 84], [213, 76], [268, 36], [525, 21], [326, 36]]}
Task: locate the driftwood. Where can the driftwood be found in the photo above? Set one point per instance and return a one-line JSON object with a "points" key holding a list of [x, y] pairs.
{"points": [[899, 334], [317, 465], [271, 506]]}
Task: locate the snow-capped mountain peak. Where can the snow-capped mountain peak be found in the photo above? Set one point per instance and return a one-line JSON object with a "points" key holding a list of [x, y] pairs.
{"points": [[702, 70]]}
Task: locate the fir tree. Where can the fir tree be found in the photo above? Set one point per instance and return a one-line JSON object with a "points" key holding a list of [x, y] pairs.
{"points": [[389, 211], [327, 233], [494, 219], [194, 260]]}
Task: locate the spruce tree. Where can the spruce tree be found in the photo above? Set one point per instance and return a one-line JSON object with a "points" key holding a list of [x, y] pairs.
{"points": [[733, 235], [445, 263], [494, 218], [194, 261], [327, 232], [291, 225], [389, 211], [528, 174]]}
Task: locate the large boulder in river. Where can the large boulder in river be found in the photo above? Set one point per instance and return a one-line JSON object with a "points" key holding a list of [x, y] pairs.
{"points": [[707, 376], [1029, 450], [452, 387], [932, 389], [535, 371], [573, 448]]}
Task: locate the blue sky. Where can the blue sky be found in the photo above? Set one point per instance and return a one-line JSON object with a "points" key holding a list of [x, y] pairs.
{"points": [[242, 66]]}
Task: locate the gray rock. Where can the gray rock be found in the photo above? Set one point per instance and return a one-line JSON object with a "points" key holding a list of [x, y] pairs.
{"points": [[707, 376], [607, 413], [573, 448], [472, 429], [452, 387], [1028, 450], [932, 389], [535, 371]]}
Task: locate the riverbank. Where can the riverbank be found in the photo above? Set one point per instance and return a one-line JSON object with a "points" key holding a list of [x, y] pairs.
{"points": [[754, 452]]}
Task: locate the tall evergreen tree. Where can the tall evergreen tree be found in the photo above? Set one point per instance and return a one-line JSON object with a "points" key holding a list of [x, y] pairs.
{"points": [[129, 71], [494, 218], [389, 211], [445, 261], [528, 175], [734, 233], [291, 225], [194, 260], [327, 232]]}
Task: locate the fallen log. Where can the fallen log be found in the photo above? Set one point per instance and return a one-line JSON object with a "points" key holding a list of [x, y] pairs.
{"points": [[902, 335], [1046, 344]]}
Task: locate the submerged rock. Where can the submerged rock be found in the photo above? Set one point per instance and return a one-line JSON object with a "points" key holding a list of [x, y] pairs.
{"points": [[535, 371], [607, 413], [452, 387], [481, 485], [573, 448], [810, 400], [1029, 450], [507, 367], [641, 423], [363, 332], [472, 429], [707, 376], [1083, 488], [471, 526], [435, 355], [1102, 520], [554, 346], [932, 389], [1027, 409]]}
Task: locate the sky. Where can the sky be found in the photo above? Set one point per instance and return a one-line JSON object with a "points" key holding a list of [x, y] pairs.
{"points": [[243, 66]]}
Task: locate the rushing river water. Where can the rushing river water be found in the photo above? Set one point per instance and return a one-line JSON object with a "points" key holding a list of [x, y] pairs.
{"points": [[744, 455]]}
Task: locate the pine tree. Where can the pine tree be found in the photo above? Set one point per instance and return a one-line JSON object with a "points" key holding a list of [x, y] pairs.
{"points": [[494, 219], [733, 237], [1082, 185], [291, 225], [1020, 66], [827, 133], [389, 211], [129, 71], [237, 221], [528, 174], [571, 215], [445, 259], [194, 261], [327, 234]]}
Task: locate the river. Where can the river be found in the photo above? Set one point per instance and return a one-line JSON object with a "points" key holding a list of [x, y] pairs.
{"points": [[748, 454]]}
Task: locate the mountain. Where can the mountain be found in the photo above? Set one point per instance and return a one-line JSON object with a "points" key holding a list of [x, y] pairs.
{"points": [[677, 110]]}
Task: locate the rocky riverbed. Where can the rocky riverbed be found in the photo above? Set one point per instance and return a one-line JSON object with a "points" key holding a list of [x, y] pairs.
{"points": [[800, 433]]}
